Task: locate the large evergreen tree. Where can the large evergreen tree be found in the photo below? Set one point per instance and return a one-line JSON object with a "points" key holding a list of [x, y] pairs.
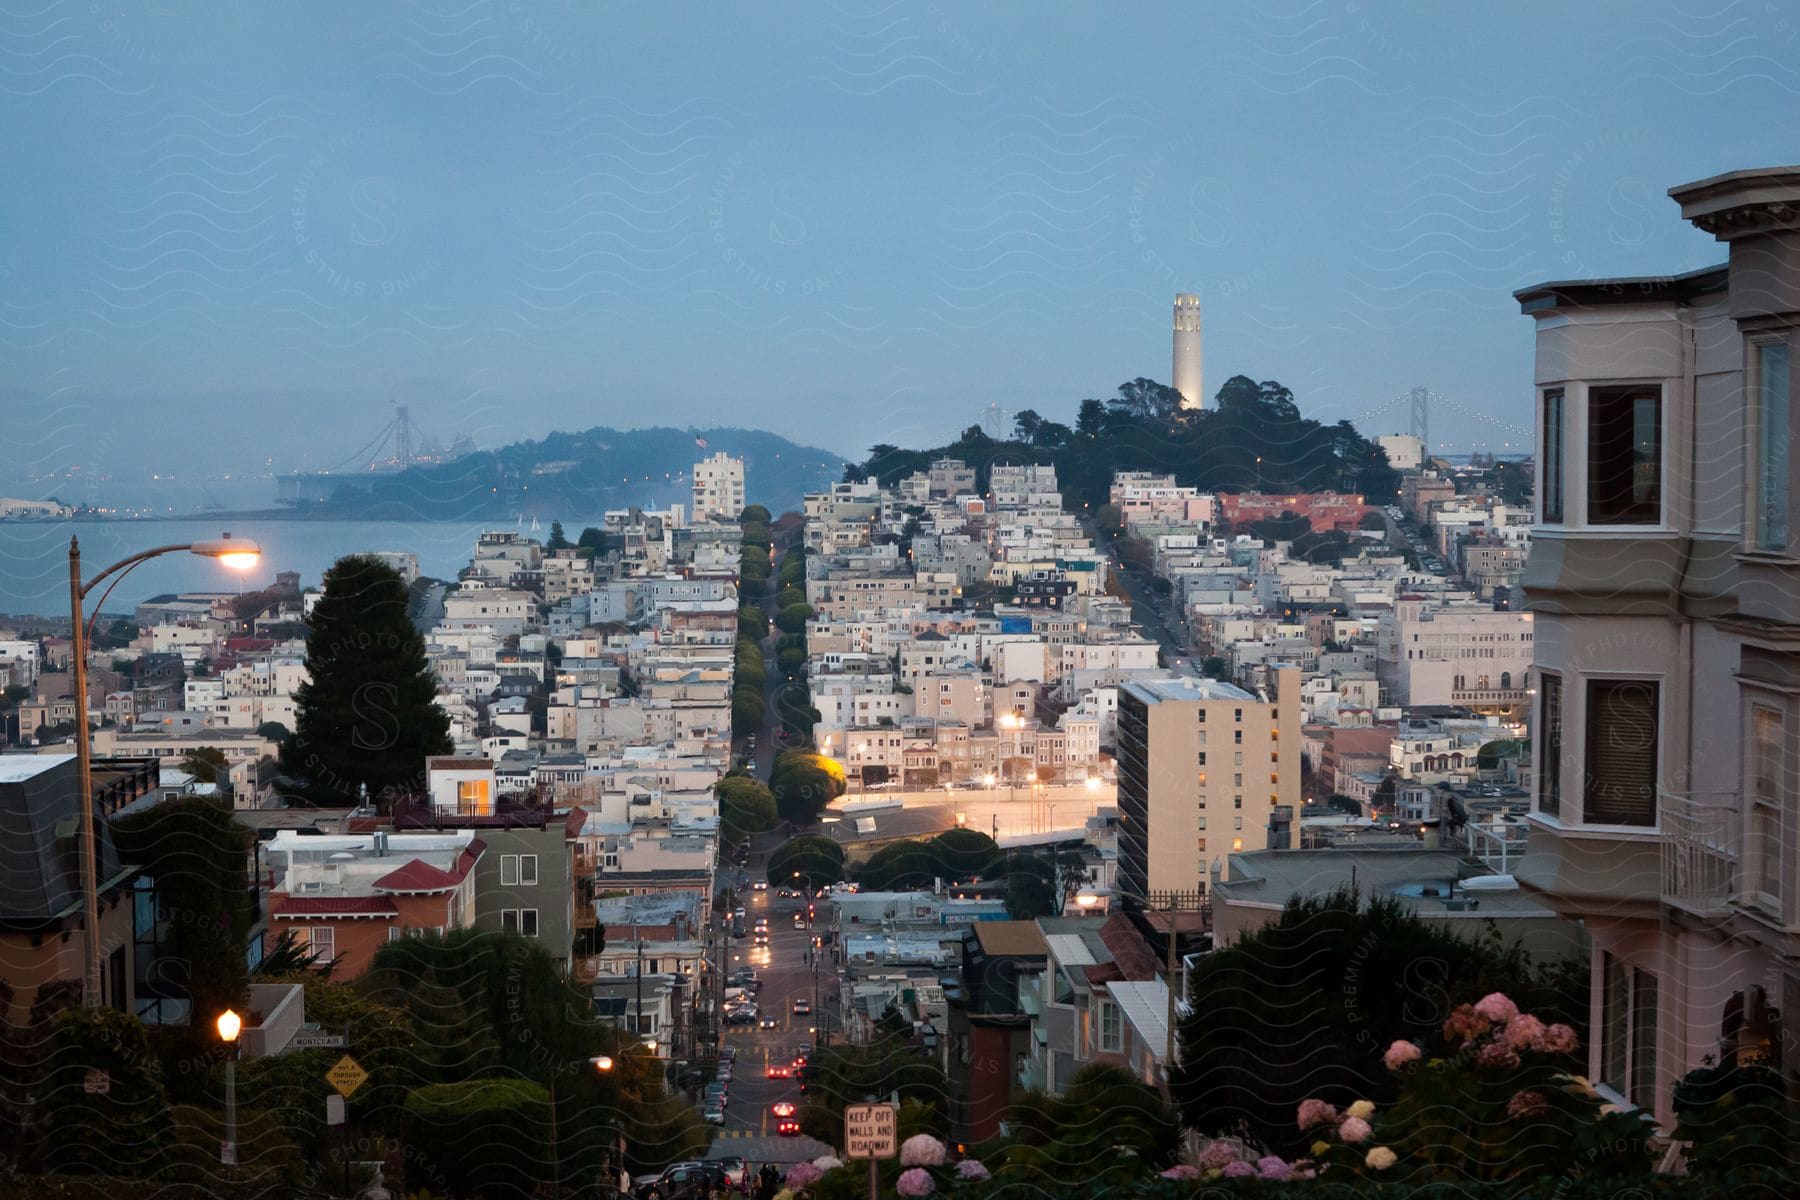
{"points": [[367, 717]]}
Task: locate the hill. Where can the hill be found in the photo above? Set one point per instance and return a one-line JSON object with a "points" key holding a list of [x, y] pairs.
{"points": [[1252, 438], [574, 477]]}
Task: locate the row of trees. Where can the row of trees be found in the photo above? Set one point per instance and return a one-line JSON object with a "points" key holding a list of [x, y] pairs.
{"points": [[1251, 438]]}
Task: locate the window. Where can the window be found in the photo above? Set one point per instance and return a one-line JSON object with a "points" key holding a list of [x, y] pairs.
{"points": [[528, 922], [528, 875], [509, 870], [1237, 844], [1624, 455], [1621, 752], [1237, 737], [1549, 769], [322, 941], [1767, 805], [1551, 509], [1237, 821], [1772, 381], [472, 798], [509, 920], [1112, 1030]]}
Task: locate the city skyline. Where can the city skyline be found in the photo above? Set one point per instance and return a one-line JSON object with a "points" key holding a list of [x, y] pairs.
{"points": [[847, 228]]}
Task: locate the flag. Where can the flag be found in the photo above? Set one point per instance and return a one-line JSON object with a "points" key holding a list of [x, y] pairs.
{"points": [[699, 441]]}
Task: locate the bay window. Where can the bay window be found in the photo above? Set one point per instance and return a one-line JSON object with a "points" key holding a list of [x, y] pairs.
{"points": [[1769, 513], [1550, 737], [1767, 768], [1551, 508], [1624, 455], [1621, 752]]}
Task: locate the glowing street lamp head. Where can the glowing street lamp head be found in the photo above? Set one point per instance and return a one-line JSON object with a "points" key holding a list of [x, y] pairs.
{"points": [[229, 1025], [1086, 899], [603, 1063], [240, 554]]}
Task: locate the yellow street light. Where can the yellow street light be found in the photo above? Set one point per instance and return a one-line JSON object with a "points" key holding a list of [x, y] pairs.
{"points": [[229, 1025]]}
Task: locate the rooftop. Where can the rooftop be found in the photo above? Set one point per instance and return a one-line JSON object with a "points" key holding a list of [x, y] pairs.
{"points": [[1013, 939], [1153, 691]]}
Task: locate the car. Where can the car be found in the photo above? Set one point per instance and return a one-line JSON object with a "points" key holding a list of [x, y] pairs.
{"points": [[741, 1016], [802, 1008], [761, 885], [724, 1075], [762, 924], [718, 1091], [728, 1054], [739, 913], [779, 1071], [787, 1128], [768, 1021], [713, 1114], [733, 1168], [783, 1108], [804, 1050], [799, 1062], [799, 920], [762, 939], [681, 1181]]}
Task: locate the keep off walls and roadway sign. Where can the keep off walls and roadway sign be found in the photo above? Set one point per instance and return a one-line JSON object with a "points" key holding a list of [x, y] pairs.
{"points": [[872, 1131]]}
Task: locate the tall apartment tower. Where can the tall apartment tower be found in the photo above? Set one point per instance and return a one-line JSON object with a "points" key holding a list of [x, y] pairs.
{"points": [[1206, 770], [1187, 377], [718, 488]]}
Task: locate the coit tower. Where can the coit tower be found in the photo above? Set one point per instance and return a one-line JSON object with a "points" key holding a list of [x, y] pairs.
{"points": [[1187, 377]]}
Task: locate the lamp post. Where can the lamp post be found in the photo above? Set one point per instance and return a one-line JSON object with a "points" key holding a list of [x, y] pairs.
{"points": [[238, 555], [229, 1026]]}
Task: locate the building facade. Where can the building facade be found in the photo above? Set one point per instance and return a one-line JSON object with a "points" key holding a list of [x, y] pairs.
{"points": [[1666, 589], [718, 488]]}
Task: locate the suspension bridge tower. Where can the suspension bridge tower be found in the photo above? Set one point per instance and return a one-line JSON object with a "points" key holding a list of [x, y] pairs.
{"points": [[1420, 424]]}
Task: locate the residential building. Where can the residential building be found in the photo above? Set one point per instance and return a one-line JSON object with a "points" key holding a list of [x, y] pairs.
{"points": [[718, 488], [1664, 583], [1206, 769], [1470, 654]]}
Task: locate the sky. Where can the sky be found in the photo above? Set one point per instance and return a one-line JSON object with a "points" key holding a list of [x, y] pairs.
{"points": [[235, 234]]}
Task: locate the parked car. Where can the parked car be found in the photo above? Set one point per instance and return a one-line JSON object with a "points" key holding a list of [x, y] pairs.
{"points": [[733, 1168], [713, 1114], [728, 1054], [741, 1016], [681, 1181]]}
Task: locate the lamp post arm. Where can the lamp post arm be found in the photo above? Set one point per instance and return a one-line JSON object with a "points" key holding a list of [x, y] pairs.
{"points": [[125, 564]]}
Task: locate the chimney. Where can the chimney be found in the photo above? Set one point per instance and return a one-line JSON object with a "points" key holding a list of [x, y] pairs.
{"points": [[381, 843]]}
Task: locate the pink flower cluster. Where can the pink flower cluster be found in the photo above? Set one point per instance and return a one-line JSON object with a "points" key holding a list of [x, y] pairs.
{"points": [[1182, 1171], [803, 1174], [1527, 1104], [1354, 1130], [1402, 1053], [1514, 1033], [1316, 1112], [921, 1150], [1273, 1167], [971, 1169], [914, 1181], [1215, 1156]]}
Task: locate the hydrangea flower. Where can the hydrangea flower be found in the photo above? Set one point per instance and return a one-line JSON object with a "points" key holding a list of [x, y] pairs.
{"points": [[921, 1150], [803, 1174], [826, 1162], [915, 1181], [1362, 1108], [1465, 1025], [970, 1168], [1527, 1103], [1496, 1007], [1215, 1155], [1273, 1166], [1238, 1170], [1316, 1112], [1353, 1130], [1561, 1039], [1380, 1159], [1400, 1054], [1525, 1032], [1496, 1056], [1182, 1171]]}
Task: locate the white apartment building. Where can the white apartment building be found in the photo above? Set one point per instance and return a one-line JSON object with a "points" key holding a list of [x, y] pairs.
{"points": [[500, 609], [718, 488], [1666, 588], [1432, 652]]}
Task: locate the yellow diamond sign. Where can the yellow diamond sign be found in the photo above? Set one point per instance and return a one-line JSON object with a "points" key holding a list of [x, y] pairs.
{"points": [[346, 1075]]}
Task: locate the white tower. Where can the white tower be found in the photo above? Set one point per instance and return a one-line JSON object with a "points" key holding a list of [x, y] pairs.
{"points": [[1187, 376]]}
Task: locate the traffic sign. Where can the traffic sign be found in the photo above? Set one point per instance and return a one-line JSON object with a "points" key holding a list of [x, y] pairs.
{"points": [[316, 1041], [871, 1131], [346, 1075], [96, 1082], [334, 1110]]}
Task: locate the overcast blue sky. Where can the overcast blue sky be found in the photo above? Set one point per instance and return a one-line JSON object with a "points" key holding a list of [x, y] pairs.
{"points": [[236, 231]]}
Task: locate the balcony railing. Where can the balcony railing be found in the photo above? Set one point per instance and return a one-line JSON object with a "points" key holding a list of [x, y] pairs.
{"points": [[1702, 849]]}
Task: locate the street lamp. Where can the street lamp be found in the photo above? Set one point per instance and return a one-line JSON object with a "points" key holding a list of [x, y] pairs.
{"points": [[229, 1026], [238, 555]]}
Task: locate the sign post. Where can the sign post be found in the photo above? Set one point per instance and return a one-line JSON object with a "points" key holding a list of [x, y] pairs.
{"points": [[346, 1075], [872, 1131]]}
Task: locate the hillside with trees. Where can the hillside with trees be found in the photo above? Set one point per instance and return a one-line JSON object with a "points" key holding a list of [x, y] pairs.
{"points": [[1250, 438]]}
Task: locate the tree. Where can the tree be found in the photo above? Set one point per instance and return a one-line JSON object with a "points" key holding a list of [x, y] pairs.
{"points": [[818, 860], [195, 854], [1026, 425], [367, 718], [558, 540], [1246, 1063], [1215, 667], [1090, 419], [274, 731], [481, 1137], [126, 1131], [1040, 884], [1344, 804], [1059, 1137], [206, 764], [804, 783], [745, 807], [794, 617], [754, 514], [965, 853], [900, 866]]}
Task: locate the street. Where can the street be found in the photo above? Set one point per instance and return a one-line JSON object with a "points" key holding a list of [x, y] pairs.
{"points": [[750, 1126]]}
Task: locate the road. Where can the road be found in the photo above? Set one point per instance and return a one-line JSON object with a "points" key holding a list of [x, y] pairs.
{"points": [[749, 1130], [999, 811]]}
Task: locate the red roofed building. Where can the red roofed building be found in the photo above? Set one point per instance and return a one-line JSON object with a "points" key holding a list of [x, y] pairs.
{"points": [[1326, 510], [346, 896]]}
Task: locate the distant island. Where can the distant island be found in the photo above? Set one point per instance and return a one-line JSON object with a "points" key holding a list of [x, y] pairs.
{"points": [[568, 475]]}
